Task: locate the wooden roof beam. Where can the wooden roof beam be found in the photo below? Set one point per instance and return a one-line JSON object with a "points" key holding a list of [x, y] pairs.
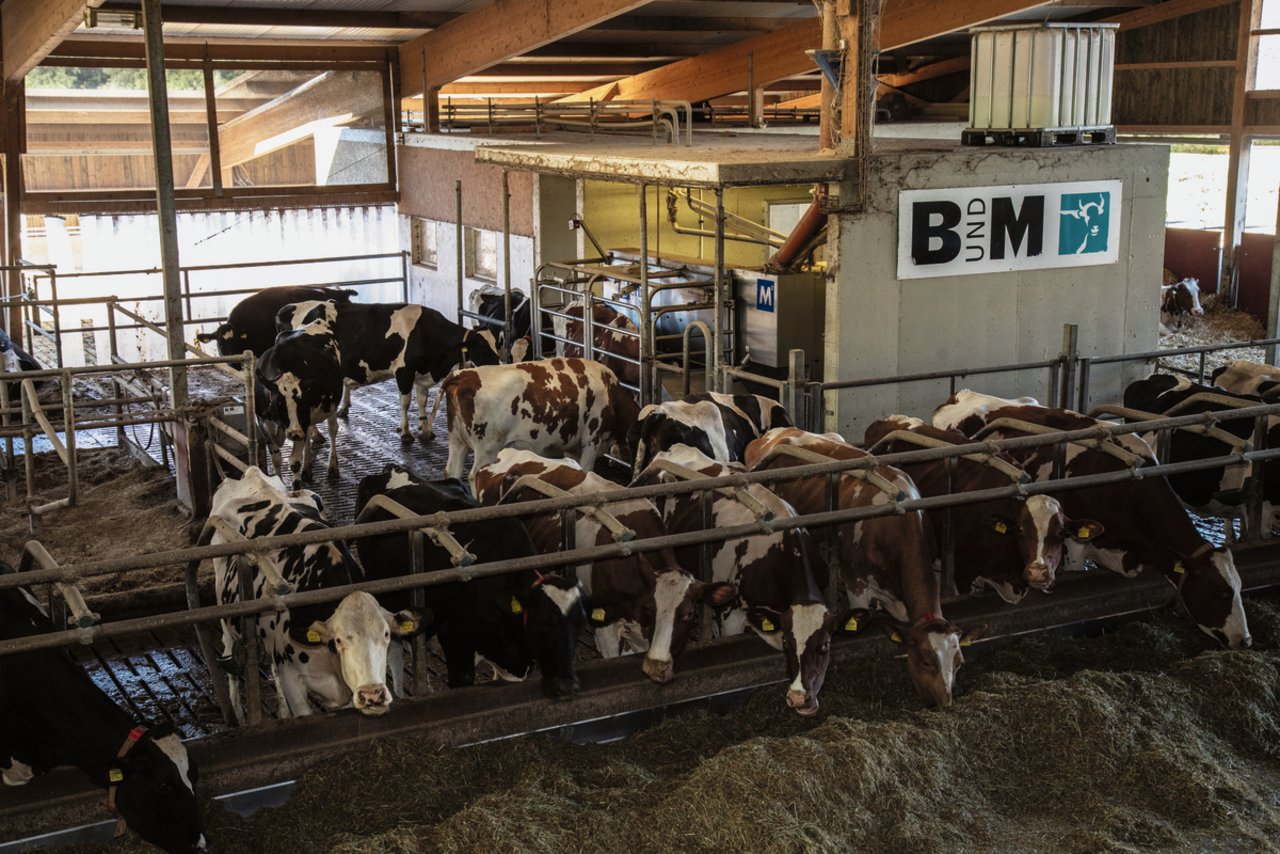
{"points": [[781, 53], [1161, 12], [494, 33], [291, 16], [31, 29]]}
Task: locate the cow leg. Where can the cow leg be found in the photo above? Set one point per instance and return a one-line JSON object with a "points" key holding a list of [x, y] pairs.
{"points": [[344, 408], [296, 453], [587, 459], [405, 436], [395, 666], [425, 433], [457, 454], [293, 691], [333, 445]]}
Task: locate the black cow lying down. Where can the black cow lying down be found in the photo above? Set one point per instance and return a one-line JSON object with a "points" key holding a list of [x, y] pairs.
{"points": [[52, 714], [512, 621]]}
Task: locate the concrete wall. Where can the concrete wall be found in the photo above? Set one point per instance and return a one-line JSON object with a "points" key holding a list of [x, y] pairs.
{"points": [[878, 325], [429, 166]]}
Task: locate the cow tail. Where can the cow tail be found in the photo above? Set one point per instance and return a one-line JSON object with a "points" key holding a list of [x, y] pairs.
{"points": [[446, 387]]}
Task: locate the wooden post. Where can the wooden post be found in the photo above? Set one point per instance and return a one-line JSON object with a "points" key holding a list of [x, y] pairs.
{"points": [[1273, 301], [830, 38], [14, 143], [851, 80], [211, 114], [1238, 158]]}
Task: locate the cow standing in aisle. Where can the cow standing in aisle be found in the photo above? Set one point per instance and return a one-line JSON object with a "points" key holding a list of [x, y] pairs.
{"points": [[511, 621], [886, 561], [251, 325], [551, 406], [719, 425], [778, 596], [647, 600], [299, 385], [1145, 523], [51, 714], [336, 652], [491, 302], [1009, 545]]}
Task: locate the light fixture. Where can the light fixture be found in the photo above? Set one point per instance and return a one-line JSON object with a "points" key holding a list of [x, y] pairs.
{"points": [[116, 19]]}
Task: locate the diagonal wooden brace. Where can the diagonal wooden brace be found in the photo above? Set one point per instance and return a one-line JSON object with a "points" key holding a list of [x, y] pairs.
{"points": [[737, 493], [621, 533]]}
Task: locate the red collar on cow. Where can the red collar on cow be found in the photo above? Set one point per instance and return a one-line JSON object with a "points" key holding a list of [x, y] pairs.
{"points": [[926, 619], [115, 775]]}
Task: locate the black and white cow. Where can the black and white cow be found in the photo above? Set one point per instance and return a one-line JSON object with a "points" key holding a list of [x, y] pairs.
{"points": [[1244, 377], [490, 301], [719, 425], [338, 653], [510, 621], [645, 600], [52, 714], [1217, 491], [251, 325], [1178, 301], [300, 385], [965, 411], [778, 595]]}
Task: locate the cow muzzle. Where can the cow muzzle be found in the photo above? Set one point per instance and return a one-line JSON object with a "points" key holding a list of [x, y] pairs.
{"points": [[659, 671], [372, 699], [295, 435], [800, 703], [1241, 642], [1039, 575]]}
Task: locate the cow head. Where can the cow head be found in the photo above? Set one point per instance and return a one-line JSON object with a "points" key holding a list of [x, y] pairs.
{"points": [[1209, 587], [1041, 530], [933, 654], [359, 633], [296, 315], [300, 376], [230, 341], [666, 611], [475, 349], [155, 792], [554, 611], [803, 632]]}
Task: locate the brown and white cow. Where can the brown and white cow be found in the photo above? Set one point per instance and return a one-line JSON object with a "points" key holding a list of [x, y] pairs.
{"points": [[885, 561], [1244, 377], [965, 411], [779, 597], [647, 599], [614, 339], [1007, 544], [1178, 301], [1146, 525], [550, 406]]}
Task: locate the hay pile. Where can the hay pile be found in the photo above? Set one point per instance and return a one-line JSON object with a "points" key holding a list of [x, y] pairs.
{"points": [[1219, 325], [124, 508], [1141, 740]]}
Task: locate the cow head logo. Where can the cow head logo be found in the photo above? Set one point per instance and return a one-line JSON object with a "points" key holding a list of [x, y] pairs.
{"points": [[1084, 223]]}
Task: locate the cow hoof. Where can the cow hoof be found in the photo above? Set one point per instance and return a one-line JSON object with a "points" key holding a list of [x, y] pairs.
{"points": [[343, 413], [426, 437], [333, 472], [406, 438]]}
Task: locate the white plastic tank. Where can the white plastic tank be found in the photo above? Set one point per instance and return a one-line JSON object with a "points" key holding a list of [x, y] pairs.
{"points": [[1041, 76]]}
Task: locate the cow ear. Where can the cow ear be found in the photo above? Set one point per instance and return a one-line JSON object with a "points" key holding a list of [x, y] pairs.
{"points": [[405, 623], [1000, 523], [1084, 530], [972, 633], [718, 595], [764, 620], [854, 621], [318, 634], [895, 631]]}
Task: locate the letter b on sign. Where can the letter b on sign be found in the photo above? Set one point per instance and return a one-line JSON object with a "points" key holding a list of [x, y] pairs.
{"points": [[934, 239]]}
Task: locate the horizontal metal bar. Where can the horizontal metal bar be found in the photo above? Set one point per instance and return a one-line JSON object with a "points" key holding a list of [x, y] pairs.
{"points": [[1181, 351], [82, 370], [780, 385], [548, 505], [939, 375], [243, 265]]}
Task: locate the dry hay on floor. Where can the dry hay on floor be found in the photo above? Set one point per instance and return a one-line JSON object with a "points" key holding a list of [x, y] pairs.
{"points": [[1219, 325], [125, 507], [1145, 739]]}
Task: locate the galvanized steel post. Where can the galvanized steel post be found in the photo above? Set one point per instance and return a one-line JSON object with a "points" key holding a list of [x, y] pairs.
{"points": [[1070, 352], [506, 260], [647, 373], [458, 249], [713, 371]]}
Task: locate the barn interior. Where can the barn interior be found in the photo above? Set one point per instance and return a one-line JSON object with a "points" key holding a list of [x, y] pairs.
{"points": [[730, 177]]}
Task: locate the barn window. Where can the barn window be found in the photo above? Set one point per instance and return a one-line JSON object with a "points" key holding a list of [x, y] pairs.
{"points": [[424, 242], [482, 254]]}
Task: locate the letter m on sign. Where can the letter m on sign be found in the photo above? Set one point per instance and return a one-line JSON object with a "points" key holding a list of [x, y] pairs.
{"points": [[1014, 229], [766, 291]]}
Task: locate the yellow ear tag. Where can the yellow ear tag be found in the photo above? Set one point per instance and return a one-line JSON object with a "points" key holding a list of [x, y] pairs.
{"points": [[896, 638], [516, 607], [1083, 534], [966, 642], [1002, 528], [1179, 569], [766, 625], [851, 625], [407, 626], [115, 775], [597, 615], [313, 636]]}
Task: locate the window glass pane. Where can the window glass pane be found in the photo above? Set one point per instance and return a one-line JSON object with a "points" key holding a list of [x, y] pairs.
{"points": [[424, 242], [1268, 63], [1271, 14]]}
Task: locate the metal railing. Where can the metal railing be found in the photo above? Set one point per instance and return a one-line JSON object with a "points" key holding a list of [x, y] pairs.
{"points": [[672, 119], [89, 631]]}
